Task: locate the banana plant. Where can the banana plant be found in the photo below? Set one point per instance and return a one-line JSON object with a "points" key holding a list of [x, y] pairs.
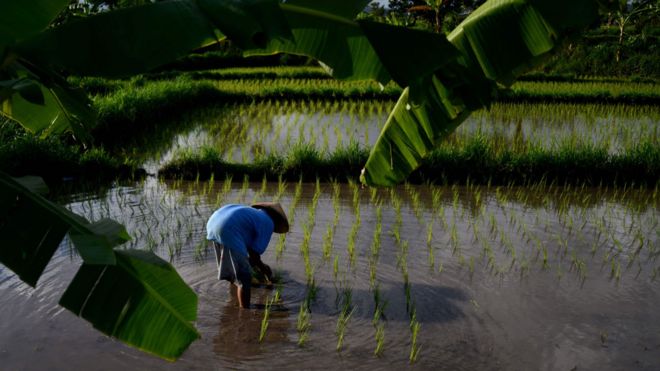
{"points": [[444, 80]]}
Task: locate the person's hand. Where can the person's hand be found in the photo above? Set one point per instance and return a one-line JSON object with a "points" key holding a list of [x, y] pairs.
{"points": [[267, 272]]}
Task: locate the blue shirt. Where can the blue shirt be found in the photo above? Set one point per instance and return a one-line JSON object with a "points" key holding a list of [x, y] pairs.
{"points": [[240, 228]]}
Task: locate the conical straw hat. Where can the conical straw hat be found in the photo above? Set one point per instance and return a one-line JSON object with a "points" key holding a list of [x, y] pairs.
{"points": [[275, 211]]}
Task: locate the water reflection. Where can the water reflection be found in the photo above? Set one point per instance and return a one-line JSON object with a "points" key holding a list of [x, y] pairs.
{"points": [[239, 329]]}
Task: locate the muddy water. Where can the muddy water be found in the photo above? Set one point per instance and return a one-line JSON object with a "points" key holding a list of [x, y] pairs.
{"points": [[514, 279]]}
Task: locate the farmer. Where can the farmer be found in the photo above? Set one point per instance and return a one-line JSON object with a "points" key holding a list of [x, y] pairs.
{"points": [[240, 234]]}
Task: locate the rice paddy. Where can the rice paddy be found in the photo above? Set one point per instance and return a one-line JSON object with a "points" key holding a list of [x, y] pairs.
{"points": [[411, 275], [530, 240], [509, 142]]}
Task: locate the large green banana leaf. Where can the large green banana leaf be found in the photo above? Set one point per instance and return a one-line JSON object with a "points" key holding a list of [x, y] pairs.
{"points": [[141, 300], [131, 295], [33, 227], [21, 19], [499, 41], [45, 108]]}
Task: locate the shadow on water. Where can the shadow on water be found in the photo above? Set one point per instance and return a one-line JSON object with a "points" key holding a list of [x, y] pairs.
{"points": [[433, 303]]}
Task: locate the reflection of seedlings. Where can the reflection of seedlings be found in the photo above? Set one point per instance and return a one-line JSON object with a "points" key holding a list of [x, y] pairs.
{"points": [[454, 236], [151, 242], [580, 266], [312, 290], [380, 339], [296, 198], [402, 256], [379, 306], [342, 322], [545, 257], [414, 331], [615, 271], [304, 324], [407, 293], [265, 320]]}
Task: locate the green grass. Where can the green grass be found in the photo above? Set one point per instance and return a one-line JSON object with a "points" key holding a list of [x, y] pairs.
{"points": [[22, 153], [172, 92], [478, 160], [583, 92], [140, 117]]}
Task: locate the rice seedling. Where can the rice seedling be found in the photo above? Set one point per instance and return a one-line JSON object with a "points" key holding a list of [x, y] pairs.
{"points": [[280, 246], [328, 238], [265, 320], [414, 332], [296, 198], [281, 188]]}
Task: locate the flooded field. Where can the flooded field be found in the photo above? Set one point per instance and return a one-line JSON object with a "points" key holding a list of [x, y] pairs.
{"points": [[441, 277], [275, 127]]}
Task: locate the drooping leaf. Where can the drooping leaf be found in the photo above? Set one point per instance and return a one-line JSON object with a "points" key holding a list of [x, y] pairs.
{"points": [[498, 41], [30, 234], [328, 36], [33, 227], [27, 88], [123, 42], [408, 54], [21, 19], [414, 128], [141, 300], [507, 37], [105, 232], [53, 109]]}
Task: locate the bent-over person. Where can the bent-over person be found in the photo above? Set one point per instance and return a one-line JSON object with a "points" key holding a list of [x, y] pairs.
{"points": [[240, 235]]}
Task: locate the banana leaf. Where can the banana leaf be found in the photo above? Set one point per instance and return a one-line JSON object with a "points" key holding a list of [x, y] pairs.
{"points": [[141, 300], [329, 37], [21, 19], [122, 42], [32, 228], [46, 109], [497, 42]]}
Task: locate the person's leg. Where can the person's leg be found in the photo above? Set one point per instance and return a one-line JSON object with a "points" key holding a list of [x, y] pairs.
{"points": [[243, 280], [243, 294]]}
